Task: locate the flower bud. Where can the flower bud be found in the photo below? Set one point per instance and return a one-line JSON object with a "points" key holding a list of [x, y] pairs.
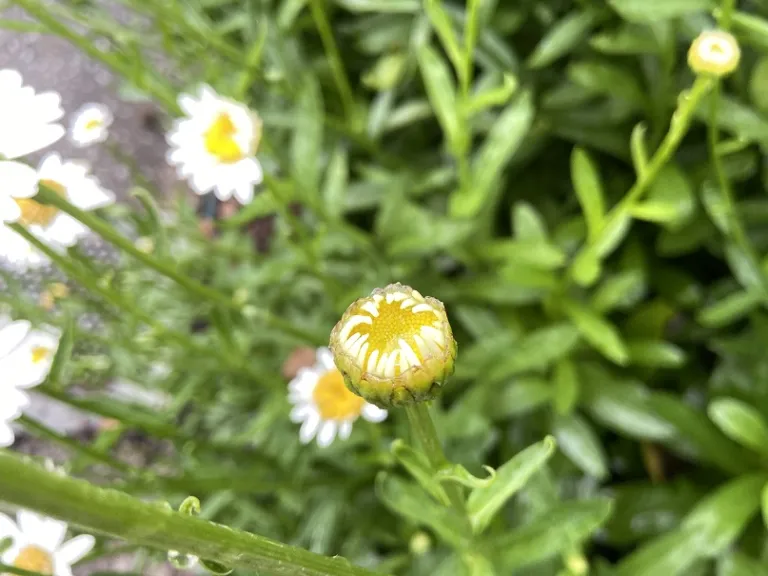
{"points": [[394, 347], [714, 52]]}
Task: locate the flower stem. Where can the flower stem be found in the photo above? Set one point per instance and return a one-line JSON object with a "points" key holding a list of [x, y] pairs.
{"points": [[120, 515], [423, 428]]}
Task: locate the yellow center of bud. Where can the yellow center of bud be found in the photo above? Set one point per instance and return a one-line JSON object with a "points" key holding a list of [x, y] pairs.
{"points": [[93, 124], [390, 333], [35, 559], [34, 213], [40, 353], [333, 400], [220, 140]]}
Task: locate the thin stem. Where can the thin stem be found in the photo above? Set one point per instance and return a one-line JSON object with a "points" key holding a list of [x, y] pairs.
{"points": [[122, 516], [423, 428], [5, 568], [320, 17]]}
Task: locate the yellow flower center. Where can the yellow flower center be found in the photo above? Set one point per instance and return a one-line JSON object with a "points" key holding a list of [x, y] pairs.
{"points": [[40, 353], [35, 559], [333, 400], [220, 141], [390, 333], [34, 213]]}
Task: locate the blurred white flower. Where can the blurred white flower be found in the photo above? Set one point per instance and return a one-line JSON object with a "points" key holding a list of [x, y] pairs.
{"points": [[27, 124], [90, 125], [26, 356], [72, 181], [214, 146], [38, 544], [323, 403]]}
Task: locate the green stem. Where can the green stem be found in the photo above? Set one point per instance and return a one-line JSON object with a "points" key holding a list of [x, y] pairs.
{"points": [[423, 428], [120, 515], [4, 568], [320, 17]]}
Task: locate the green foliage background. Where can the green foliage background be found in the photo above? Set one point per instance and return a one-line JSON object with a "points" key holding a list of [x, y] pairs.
{"points": [[483, 154]]}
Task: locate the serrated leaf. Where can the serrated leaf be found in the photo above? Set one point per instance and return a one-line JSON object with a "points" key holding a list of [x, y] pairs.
{"points": [[589, 191], [645, 11], [484, 503], [579, 442], [597, 331], [741, 423]]}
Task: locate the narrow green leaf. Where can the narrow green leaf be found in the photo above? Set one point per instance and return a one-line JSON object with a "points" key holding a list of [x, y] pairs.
{"points": [[562, 38], [578, 441], [441, 90], [307, 144], [655, 354], [484, 503], [670, 554], [764, 504], [418, 466], [608, 79], [586, 268], [527, 223], [670, 199], [383, 6], [441, 22], [57, 374], [589, 190], [638, 149], [562, 527], [336, 180], [566, 387], [730, 309], [619, 291], [645, 11], [741, 423], [750, 28], [597, 331], [630, 39], [493, 96], [520, 397], [738, 564], [536, 350]]}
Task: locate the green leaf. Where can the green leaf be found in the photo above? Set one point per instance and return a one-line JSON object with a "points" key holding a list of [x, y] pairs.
{"points": [[57, 374], [441, 91], [535, 253], [307, 142], [751, 29], [597, 331], [503, 140], [670, 200], [589, 190], [741, 423], [263, 204], [578, 441], [408, 501], [418, 466], [383, 6], [608, 79], [562, 527], [336, 179], [536, 350], [460, 475], [520, 397], [730, 309], [619, 291], [491, 97], [565, 381], [638, 149], [630, 39], [155, 220], [441, 22], [655, 354], [527, 223], [670, 554], [764, 504], [562, 38], [738, 564], [586, 268], [645, 11], [484, 503]]}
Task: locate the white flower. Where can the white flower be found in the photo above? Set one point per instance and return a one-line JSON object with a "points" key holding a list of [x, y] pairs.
{"points": [[38, 544], [27, 124], [323, 403], [26, 356], [214, 145], [90, 125], [70, 180]]}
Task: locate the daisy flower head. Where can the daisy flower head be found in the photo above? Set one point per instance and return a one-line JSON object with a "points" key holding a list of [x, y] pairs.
{"points": [[214, 145], [26, 357], [714, 52], [90, 125], [37, 544], [324, 405], [27, 124], [394, 347], [72, 181]]}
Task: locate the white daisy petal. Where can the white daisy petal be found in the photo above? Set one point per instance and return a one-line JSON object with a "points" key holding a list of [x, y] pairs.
{"points": [[373, 413], [52, 533], [327, 433], [309, 427], [9, 210], [345, 429], [12, 334], [19, 180], [299, 413], [30, 523], [325, 358], [8, 528], [75, 549], [6, 434]]}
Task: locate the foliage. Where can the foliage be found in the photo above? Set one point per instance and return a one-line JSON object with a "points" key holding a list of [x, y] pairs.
{"points": [[590, 212]]}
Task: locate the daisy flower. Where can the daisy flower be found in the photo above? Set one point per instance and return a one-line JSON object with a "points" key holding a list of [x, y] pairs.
{"points": [[72, 181], [37, 544], [90, 125], [26, 356], [395, 346], [324, 406], [214, 145], [27, 124]]}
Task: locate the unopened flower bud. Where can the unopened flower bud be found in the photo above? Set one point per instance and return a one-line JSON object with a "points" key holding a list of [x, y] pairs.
{"points": [[394, 347], [714, 52]]}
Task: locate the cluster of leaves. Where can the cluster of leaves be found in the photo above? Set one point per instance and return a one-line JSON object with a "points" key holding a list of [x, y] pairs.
{"points": [[509, 159]]}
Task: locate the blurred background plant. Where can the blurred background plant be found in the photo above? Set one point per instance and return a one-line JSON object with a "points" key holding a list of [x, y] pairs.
{"points": [[590, 211]]}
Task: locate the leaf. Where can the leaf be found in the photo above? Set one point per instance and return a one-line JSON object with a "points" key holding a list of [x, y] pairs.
{"points": [[503, 140], [441, 22], [484, 503], [730, 309], [408, 501], [307, 142], [597, 331], [562, 38], [638, 149], [520, 397], [655, 354], [630, 39], [670, 200], [645, 11], [589, 190], [536, 350], [578, 441], [535, 253], [57, 373], [620, 291], [441, 91], [418, 466], [527, 223], [741, 423], [491, 97], [608, 79], [738, 564], [460, 475], [562, 527], [384, 6], [566, 387], [336, 179], [670, 554]]}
